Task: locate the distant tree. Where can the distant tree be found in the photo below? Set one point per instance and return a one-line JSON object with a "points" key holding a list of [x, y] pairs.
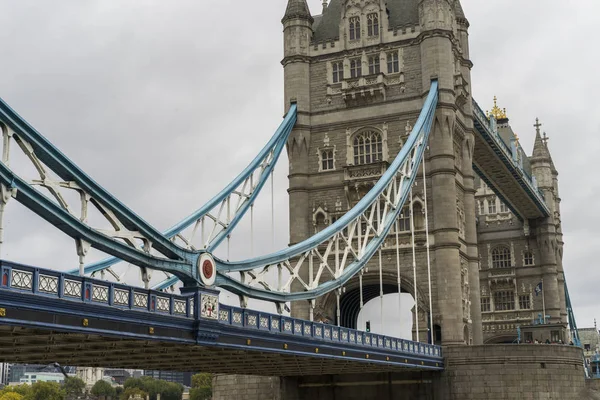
{"points": [[74, 386], [23, 390], [170, 390], [153, 387], [131, 392], [46, 391], [11, 396], [103, 388], [201, 387], [201, 380]]}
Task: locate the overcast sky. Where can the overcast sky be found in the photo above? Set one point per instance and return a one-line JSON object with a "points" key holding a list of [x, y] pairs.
{"points": [[164, 102]]}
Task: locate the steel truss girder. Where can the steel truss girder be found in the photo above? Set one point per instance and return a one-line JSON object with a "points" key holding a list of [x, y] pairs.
{"points": [[379, 209], [129, 229], [242, 191]]}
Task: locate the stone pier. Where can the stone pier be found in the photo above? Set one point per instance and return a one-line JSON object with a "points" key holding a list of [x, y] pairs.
{"points": [[502, 372]]}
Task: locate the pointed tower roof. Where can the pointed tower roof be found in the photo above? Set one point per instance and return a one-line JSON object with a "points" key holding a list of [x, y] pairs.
{"points": [[540, 150], [297, 9], [458, 10]]}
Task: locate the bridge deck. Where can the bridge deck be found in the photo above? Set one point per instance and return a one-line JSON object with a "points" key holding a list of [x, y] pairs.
{"points": [[494, 162], [46, 316]]}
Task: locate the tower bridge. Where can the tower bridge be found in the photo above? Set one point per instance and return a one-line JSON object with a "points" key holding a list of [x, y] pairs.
{"points": [[399, 182]]}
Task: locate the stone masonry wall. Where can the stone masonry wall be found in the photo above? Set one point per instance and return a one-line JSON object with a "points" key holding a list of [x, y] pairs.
{"points": [[245, 387], [514, 372]]}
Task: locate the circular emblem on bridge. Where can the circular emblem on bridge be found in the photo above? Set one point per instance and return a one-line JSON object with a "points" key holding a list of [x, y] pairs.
{"points": [[207, 269]]}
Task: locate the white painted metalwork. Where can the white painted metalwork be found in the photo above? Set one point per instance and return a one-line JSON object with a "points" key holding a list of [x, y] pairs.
{"points": [[414, 262], [432, 331], [21, 279], [330, 259], [162, 304], [72, 288], [140, 300], [100, 294], [121, 297], [48, 284], [179, 307], [398, 274]]}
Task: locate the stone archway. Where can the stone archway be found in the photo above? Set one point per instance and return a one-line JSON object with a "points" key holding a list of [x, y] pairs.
{"points": [[326, 307]]}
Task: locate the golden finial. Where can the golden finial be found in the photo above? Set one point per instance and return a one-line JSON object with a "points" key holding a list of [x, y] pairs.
{"points": [[517, 140], [497, 112]]}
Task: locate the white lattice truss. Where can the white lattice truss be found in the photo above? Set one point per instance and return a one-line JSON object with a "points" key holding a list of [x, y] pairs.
{"points": [[350, 246]]}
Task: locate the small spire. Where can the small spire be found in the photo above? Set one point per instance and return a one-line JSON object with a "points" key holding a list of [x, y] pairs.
{"points": [[297, 9], [537, 126], [540, 150], [545, 139], [324, 6]]}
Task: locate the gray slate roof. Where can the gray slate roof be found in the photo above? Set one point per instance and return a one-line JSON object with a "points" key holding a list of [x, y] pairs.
{"points": [[401, 13], [297, 9], [458, 10]]}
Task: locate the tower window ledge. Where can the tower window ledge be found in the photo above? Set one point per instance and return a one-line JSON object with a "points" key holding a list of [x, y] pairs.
{"points": [[371, 85], [365, 171], [394, 79], [498, 218], [501, 272]]}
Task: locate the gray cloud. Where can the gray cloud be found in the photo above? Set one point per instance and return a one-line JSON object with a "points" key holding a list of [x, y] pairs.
{"points": [[164, 102]]}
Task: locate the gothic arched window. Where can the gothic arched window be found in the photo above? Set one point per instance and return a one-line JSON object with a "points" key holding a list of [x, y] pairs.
{"points": [[393, 62], [326, 160], [373, 24], [368, 148], [501, 257], [354, 28], [492, 205], [419, 216], [355, 68], [404, 220], [528, 258], [374, 66], [338, 71]]}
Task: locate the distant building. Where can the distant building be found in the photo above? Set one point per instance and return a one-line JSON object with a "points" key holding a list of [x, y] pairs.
{"points": [[590, 340], [18, 371], [90, 375], [33, 377], [5, 373], [119, 375], [185, 378]]}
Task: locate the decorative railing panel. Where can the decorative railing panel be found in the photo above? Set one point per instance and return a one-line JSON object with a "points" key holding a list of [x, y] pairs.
{"points": [[278, 324]]}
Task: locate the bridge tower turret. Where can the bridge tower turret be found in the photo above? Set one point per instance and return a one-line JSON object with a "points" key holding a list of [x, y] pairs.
{"points": [[464, 100], [549, 230], [443, 25], [297, 32]]}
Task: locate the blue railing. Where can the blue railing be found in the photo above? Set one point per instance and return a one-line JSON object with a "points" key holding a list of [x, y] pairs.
{"points": [[485, 122], [324, 332], [54, 284]]}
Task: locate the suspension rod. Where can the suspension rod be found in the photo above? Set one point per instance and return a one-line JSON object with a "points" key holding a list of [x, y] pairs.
{"points": [[414, 262], [432, 331]]}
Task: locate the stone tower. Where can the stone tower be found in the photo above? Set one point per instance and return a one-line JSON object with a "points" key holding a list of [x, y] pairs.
{"points": [[359, 74], [549, 230], [521, 272]]}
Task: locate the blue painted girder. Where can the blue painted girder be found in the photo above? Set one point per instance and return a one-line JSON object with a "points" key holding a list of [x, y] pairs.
{"points": [[275, 144], [420, 132]]}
